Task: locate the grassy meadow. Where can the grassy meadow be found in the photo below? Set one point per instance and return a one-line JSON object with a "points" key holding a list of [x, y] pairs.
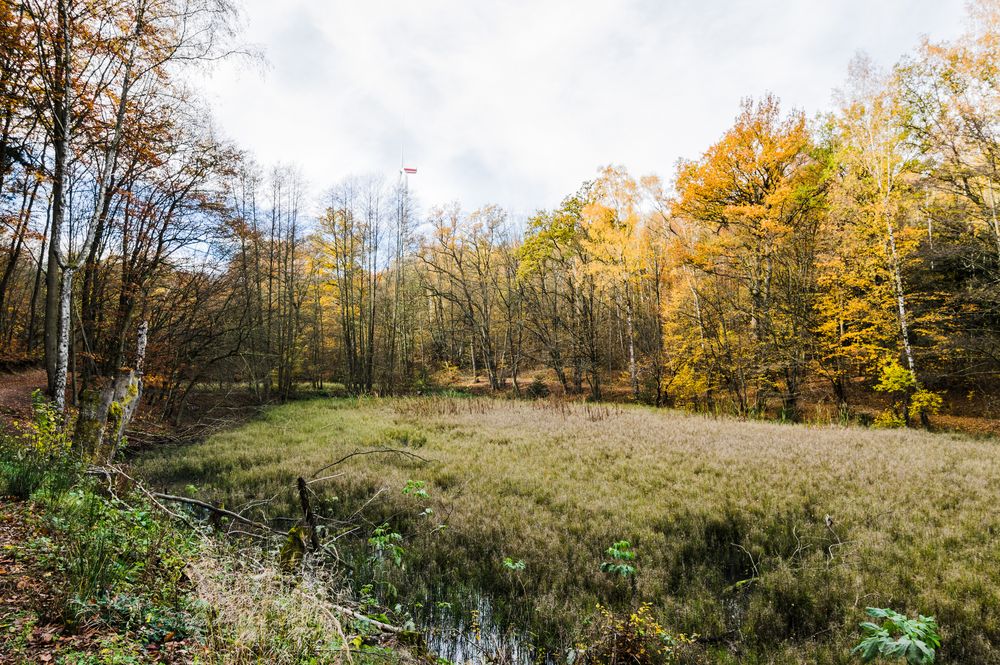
{"points": [[765, 540]]}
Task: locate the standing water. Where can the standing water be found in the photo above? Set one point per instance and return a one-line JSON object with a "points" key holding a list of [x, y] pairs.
{"points": [[478, 638]]}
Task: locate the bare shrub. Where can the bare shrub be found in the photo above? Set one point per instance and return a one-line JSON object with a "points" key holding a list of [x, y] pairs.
{"points": [[256, 613]]}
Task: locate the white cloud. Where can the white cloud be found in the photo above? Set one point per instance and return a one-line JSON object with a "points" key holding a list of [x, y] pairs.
{"points": [[517, 102]]}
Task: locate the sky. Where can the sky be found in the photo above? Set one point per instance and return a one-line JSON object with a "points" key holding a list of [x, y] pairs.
{"points": [[517, 102]]}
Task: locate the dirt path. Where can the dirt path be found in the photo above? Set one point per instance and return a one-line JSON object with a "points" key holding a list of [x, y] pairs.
{"points": [[15, 393]]}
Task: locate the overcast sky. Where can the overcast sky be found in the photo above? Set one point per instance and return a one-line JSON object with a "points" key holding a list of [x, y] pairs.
{"points": [[518, 102]]}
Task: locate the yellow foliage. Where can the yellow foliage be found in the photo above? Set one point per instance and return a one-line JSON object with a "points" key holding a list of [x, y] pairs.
{"points": [[635, 637]]}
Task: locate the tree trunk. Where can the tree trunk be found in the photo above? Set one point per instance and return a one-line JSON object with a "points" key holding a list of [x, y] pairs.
{"points": [[61, 120], [37, 286], [900, 298], [633, 370], [105, 412], [61, 363]]}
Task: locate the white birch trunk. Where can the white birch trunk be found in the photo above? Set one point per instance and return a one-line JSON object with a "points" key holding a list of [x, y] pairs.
{"points": [[900, 298], [62, 350], [633, 369]]}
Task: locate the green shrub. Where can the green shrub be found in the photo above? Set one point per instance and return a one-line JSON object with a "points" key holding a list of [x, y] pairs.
{"points": [[537, 389], [36, 454], [898, 637], [621, 554], [113, 551]]}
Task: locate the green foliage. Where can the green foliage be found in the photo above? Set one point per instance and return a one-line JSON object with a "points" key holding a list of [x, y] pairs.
{"points": [[621, 553], [19, 475], [898, 637], [512, 565], [550, 234], [121, 562], [118, 561], [46, 431], [895, 379], [416, 488], [37, 454], [386, 544]]}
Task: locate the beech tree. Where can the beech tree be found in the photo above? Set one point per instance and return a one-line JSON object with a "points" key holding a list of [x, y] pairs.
{"points": [[751, 204]]}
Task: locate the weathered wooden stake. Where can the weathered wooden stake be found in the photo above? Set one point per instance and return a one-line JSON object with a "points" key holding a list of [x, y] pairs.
{"points": [[308, 514]]}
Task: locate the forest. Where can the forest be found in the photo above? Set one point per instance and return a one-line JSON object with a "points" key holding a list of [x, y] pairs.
{"points": [[741, 411], [847, 259]]}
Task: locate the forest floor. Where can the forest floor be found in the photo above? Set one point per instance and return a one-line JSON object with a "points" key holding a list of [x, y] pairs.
{"points": [[767, 540], [31, 628], [15, 393]]}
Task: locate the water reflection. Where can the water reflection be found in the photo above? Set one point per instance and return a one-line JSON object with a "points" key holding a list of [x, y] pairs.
{"points": [[477, 638]]}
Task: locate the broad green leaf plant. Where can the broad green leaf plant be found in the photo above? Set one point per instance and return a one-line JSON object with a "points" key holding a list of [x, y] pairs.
{"points": [[898, 637]]}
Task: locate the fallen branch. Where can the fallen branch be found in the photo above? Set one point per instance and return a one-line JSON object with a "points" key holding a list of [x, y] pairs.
{"points": [[156, 497], [216, 510], [389, 451], [107, 473], [330, 477], [384, 627]]}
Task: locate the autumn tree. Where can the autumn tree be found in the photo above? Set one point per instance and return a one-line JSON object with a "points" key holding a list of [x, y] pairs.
{"points": [[561, 303], [462, 259], [612, 223], [749, 210], [951, 97]]}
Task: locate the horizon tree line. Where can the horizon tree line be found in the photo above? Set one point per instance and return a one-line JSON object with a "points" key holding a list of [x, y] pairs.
{"points": [[796, 260]]}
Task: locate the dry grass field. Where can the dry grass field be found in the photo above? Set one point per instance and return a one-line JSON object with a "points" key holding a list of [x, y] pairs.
{"points": [[766, 540]]}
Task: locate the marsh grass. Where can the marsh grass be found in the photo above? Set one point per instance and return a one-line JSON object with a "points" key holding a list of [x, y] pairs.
{"points": [[766, 540]]}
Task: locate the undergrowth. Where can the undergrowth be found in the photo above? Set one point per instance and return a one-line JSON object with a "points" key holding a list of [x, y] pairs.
{"points": [[121, 565]]}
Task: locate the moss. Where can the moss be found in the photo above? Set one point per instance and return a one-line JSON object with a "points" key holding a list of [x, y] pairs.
{"points": [[115, 413]]}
